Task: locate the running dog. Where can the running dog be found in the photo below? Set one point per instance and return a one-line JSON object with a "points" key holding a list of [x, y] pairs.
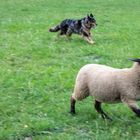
{"points": [[82, 27]]}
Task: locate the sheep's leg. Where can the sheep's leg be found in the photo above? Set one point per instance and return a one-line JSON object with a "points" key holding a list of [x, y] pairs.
{"points": [[72, 109], [81, 91], [133, 106], [99, 110], [136, 110]]}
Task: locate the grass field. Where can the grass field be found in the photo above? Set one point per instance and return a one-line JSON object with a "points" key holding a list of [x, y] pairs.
{"points": [[38, 70]]}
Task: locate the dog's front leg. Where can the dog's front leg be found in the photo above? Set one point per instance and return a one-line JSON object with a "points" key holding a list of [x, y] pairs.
{"points": [[87, 36], [88, 39]]}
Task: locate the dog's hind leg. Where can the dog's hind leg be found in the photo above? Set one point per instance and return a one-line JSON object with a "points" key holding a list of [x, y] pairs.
{"points": [[69, 33], [60, 33]]}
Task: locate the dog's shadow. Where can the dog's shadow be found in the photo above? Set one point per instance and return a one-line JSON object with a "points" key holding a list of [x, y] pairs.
{"points": [[74, 39]]}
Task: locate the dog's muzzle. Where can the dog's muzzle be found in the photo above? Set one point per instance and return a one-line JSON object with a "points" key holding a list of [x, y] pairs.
{"points": [[94, 25]]}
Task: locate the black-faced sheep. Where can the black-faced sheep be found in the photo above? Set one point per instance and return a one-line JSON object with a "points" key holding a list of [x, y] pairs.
{"points": [[108, 85]]}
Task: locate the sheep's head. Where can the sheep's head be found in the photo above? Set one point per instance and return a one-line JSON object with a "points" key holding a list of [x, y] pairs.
{"points": [[135, 60], [136, 65]]}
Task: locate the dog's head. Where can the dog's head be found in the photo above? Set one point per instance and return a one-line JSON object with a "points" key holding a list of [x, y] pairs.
{"points": [[90, 21]]}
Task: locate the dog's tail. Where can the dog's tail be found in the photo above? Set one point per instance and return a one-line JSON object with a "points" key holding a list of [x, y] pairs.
{"points": [[55, 29]]}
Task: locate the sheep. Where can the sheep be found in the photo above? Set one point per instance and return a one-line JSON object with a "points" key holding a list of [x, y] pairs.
{"points": [[108, 85]]}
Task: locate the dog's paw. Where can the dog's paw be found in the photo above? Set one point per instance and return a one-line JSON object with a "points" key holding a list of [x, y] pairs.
{"points": [[91, 42]]}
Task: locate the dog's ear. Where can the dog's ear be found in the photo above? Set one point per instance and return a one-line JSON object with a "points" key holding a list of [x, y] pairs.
{"points": [[91, 15], [88, 17]]}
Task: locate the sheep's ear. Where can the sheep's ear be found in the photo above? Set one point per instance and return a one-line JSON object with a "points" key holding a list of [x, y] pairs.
{"points": [[135, 59]]}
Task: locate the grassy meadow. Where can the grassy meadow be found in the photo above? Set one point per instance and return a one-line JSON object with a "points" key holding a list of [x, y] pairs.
{"points": [[38, 70]]}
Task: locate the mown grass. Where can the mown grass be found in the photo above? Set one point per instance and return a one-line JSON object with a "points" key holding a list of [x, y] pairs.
{"points": [[38, 70]]}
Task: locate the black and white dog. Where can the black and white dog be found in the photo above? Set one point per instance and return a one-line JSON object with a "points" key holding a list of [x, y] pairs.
{"points": [[82, 27]]}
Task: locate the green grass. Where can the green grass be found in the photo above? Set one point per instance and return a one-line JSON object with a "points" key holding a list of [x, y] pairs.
{"points": [[37, 70]]}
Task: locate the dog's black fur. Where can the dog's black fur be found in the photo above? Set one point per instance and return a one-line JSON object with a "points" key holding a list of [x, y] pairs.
{"points": [[82, 27]]}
